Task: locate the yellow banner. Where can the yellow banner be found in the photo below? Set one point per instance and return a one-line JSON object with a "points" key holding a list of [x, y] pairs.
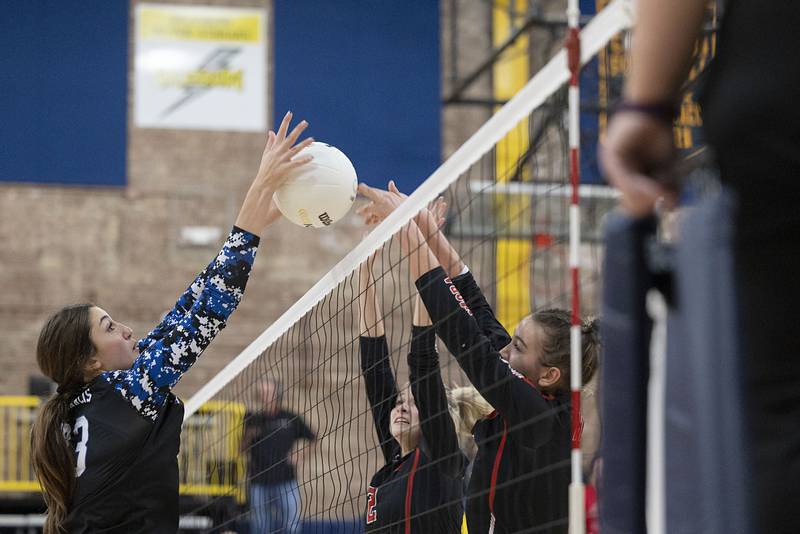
{"points": [[166, 23]]}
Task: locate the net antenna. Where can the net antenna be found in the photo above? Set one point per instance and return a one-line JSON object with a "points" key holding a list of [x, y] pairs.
{"points": [[577, 497], [616, 17]]}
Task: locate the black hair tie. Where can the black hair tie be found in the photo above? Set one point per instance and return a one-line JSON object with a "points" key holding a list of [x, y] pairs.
{"points": [[65, 390]]}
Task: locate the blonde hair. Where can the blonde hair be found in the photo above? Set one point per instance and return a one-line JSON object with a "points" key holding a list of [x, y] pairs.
{"points": [[467, 407]]}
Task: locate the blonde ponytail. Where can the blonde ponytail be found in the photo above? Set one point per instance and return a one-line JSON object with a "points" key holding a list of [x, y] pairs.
{"points": [[467, 407]]}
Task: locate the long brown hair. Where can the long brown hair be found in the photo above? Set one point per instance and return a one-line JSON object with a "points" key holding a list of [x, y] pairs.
{"points": [[62, 351], [556, 324]]}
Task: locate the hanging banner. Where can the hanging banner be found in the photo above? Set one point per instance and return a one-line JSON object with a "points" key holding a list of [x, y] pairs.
{"points": [[200, 68], [602, 81]]}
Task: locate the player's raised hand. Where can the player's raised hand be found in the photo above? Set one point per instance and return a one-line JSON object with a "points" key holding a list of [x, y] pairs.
{"points": [[365, 276], [279, 157], [438, 209], [371, 321], [279, 154], [381, 204]]}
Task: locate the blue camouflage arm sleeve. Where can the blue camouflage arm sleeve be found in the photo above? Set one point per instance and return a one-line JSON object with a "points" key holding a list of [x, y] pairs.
{"points": [[181, 308], [162, 362]]}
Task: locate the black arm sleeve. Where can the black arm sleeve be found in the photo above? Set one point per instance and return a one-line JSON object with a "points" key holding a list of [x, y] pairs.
{"points": [[483, 313], [507, 390], [429, 395], [381, 390]]}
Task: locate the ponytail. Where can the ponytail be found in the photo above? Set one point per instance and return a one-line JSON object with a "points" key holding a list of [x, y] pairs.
{"points": [[590, 334], [467, 407], [53, 461], [62, 351]]}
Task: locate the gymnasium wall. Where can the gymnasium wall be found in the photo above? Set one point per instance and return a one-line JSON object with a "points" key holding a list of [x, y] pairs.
{"points": [[120, 246]]}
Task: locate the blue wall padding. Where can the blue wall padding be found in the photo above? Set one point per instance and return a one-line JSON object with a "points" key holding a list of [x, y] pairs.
{"points": [[366, 77], [63, 102]]}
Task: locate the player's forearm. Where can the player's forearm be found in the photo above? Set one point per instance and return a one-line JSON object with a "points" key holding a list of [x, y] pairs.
{"points": [[447, 256], [420, 257], [421, 317], [381, 389], [371, 323], [370, 313], [663, 41], [428, 389], [484, 315]]}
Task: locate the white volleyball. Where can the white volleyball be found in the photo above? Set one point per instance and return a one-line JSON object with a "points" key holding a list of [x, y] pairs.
{"points": [[321, 192]]}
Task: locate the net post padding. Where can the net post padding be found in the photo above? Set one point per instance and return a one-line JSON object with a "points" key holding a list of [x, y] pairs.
{"points": [[616, 17]]}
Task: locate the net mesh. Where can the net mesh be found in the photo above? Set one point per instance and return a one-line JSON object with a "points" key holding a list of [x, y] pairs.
{"points": [[507, 217]]}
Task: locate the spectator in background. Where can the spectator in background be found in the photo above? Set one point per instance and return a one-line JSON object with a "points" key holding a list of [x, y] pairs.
{"points": [[269, 440]]}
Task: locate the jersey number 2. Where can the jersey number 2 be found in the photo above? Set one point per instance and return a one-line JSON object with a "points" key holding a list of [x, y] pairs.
{"points": [[82, 428], [372, 513]]}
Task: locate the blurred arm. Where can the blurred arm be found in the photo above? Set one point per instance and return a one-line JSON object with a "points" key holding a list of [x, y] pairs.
{"points": [[663, 42]]}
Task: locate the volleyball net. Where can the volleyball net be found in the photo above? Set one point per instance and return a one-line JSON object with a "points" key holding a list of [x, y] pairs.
{"points": [[508, 196]]}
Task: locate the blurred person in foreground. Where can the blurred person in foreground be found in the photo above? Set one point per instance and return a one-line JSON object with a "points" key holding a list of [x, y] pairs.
{"points": [[270, 436], [753, 126]]}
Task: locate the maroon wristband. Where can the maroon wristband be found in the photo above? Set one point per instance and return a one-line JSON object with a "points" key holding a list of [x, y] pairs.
{"points": [[663, 111]]}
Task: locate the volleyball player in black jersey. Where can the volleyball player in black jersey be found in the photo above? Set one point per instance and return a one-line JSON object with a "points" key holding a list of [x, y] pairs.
{"points": [[419, 489], [105, 447], [521, 473]]}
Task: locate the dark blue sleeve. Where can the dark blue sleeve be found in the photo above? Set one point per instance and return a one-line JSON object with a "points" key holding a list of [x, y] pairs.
{"points": [[430, 397], [511, 393], [381, 390], [162, 362]]}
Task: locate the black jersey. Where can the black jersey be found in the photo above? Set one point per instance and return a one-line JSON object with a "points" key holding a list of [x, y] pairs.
{"points": [[273, 436], [422, 491], [521, 474], [125, 425]]}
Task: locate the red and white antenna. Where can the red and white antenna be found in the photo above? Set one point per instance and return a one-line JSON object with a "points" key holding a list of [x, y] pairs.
{"points": [[577, 510]]}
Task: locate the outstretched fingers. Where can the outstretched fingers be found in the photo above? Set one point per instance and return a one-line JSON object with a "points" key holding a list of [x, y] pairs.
{"points": [[295, 134], [369, 192], [300, 146], [298, 162], [284, 127], [270, 140], [440, 211]]}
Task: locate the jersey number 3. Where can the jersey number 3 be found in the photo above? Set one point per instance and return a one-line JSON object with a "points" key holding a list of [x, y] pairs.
{"points": [[81, 428], [372, 513]]}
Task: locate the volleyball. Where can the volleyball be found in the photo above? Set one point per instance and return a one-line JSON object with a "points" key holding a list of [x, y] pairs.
{"points": [[321, 192]]}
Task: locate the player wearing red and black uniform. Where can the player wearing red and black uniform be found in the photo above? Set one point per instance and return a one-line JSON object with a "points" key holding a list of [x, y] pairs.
{"points": [[521, 474], [420, 488]]}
